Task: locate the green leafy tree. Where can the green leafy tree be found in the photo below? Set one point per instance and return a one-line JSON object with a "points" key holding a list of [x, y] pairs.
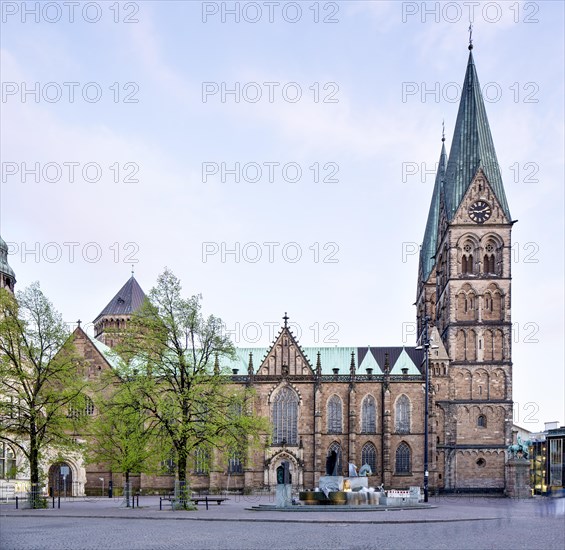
{"points": [[40, 381], [121, 432], [174, 352]]}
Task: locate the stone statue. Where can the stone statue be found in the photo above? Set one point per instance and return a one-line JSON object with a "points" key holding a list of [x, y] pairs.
{"points": [[331, 464], [284, 476], [365, 470], [352, 470]]}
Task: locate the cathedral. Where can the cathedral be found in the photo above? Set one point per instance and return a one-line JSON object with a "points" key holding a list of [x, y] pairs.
{"points": [[368, 404]]}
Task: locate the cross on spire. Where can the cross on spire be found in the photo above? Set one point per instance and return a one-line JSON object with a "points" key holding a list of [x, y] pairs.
{"points": [[78, 323], [286, 318]]}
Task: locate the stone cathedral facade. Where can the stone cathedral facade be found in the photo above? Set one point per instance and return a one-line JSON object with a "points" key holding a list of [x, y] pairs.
{"points": [[367, 403]]}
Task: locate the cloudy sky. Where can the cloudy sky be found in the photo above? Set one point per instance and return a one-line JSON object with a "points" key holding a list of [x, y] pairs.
{"points": [[278, 157]]}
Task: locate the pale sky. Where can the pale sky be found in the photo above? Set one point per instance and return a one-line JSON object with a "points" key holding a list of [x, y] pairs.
{"points": [[171, 133]]}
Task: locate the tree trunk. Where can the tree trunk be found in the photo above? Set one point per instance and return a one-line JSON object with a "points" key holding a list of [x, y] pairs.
{"points": [[127, 489], [183, 490], [181, 466], [35, 488]]}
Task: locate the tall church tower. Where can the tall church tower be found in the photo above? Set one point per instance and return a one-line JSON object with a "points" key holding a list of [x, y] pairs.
{"points": [[464, 286], [7, 275]]}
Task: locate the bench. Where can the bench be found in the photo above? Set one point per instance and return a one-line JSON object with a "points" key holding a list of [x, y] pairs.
{"points": [[194, 498], [207, 499]]}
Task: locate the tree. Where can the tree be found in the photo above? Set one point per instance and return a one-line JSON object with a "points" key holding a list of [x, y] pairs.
{"points": [[174, 352], [120, 434], [40, 382]]}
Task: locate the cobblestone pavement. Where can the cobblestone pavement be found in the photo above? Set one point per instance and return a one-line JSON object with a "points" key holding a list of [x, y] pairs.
{"points": [[457, 522]]}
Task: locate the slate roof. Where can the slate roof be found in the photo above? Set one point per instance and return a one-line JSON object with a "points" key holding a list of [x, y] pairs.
{"points": [[128, 299], [472, 147]]}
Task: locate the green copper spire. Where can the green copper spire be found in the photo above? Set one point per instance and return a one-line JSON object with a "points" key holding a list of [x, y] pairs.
{"points": [[429, 245], [472, 147]]}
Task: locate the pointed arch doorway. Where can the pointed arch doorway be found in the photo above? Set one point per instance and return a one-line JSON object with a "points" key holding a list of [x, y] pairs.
{"points": [[296, 469]]}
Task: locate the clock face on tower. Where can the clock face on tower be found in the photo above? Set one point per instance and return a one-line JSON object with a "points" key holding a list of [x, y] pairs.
{"points": [[480, 211]]}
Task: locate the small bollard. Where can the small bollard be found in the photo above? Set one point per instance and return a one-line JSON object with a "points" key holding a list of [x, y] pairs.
{"points": [[59, 502], [16, 503], [206, 502], [53, 497]]}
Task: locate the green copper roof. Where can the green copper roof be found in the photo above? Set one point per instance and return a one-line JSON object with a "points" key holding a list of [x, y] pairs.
{"points": [[241, 361], [369, 362], [337, 357], [472, 147], [106, 352], [404, 362], [429, 245], [332, 358]]}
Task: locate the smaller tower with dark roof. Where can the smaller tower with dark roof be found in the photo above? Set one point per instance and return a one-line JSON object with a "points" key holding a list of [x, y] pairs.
{"points": [[114, 317], [7, 275]]}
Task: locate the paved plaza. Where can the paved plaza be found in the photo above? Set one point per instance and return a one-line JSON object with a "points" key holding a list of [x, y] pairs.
{"points": [[451, 522]]}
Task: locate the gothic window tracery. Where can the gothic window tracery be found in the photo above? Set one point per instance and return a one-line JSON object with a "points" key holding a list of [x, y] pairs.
{"points": [[369, 456], [201, 461], [402, 416], [403, 462], [285, 417], [369, 415], [334, 415]]}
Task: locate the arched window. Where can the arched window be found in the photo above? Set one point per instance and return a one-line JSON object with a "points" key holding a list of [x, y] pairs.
{"points": [[88, 406], [403, 459], [489, 258], [369, 415], [402, 416], [482, 421], [369, 456], [335, 446], [82, 405], [467, 260], [467, 264], [334, 415], [235, 463], [285, 417], [7, 462], [201, 461]]}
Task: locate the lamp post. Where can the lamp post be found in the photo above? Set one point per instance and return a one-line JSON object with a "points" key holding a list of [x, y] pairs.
{"points": [[425, 345]]}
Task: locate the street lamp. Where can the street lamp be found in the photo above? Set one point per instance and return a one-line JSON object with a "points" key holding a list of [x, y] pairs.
{"points": [[425, 344]]}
